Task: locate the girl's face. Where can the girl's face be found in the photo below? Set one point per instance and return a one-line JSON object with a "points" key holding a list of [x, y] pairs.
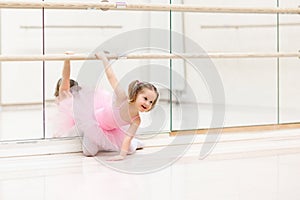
{"points": [[145, 99]]}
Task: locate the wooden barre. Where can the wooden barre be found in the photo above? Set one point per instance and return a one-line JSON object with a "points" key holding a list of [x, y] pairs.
{"points": [[56, 57], [145, 7]]}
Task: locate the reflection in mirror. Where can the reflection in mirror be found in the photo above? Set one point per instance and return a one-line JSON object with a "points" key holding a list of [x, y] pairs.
{"points": [[21, 92], [289, 82], [82, 32], [250, 85]]}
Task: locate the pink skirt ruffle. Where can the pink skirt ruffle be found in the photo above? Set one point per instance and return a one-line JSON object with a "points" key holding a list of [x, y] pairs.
{"points": [[76, 117]]}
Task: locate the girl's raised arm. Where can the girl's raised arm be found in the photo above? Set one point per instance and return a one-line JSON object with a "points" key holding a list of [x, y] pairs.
{"points": [[111, 75], [65, 80]]}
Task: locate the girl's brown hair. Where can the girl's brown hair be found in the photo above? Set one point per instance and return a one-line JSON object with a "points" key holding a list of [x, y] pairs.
{"points": [[72, 83], [136, 86]]}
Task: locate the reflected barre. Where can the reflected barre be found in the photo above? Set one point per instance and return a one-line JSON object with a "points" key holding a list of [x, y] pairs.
{"points": [[56, 57], [144, 7]]}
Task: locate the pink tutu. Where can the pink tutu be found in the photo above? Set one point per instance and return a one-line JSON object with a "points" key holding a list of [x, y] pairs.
{"points": [[63, 120], [91, 113]]}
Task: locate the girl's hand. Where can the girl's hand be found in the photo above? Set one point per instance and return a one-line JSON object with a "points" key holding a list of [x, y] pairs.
{"points": [[116, 158], [101, 56], [69, 52]]}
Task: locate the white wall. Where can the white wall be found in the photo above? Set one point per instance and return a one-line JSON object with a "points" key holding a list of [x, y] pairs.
{"points": [[247, 82], [15, 39], [21, 82], [289, 82]]}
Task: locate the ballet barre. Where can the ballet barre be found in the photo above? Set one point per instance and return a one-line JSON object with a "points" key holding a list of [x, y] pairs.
{"points": [[57, 57], [144, 7]]}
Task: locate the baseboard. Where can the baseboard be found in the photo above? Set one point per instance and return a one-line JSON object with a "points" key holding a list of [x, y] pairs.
{"points": [[238, 129], [40, 147]]}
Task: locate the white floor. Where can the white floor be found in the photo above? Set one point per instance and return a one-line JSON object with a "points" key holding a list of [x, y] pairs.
{"points": [[254, 165]]}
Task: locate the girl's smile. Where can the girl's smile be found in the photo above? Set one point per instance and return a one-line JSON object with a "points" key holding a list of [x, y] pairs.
{"points": [[145, 100]]}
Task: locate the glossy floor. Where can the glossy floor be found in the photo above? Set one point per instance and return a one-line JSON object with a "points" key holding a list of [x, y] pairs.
{"points": [[240, 166]]}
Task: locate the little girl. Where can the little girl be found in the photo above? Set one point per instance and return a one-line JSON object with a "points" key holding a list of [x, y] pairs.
{"points": [[112, 113]]}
